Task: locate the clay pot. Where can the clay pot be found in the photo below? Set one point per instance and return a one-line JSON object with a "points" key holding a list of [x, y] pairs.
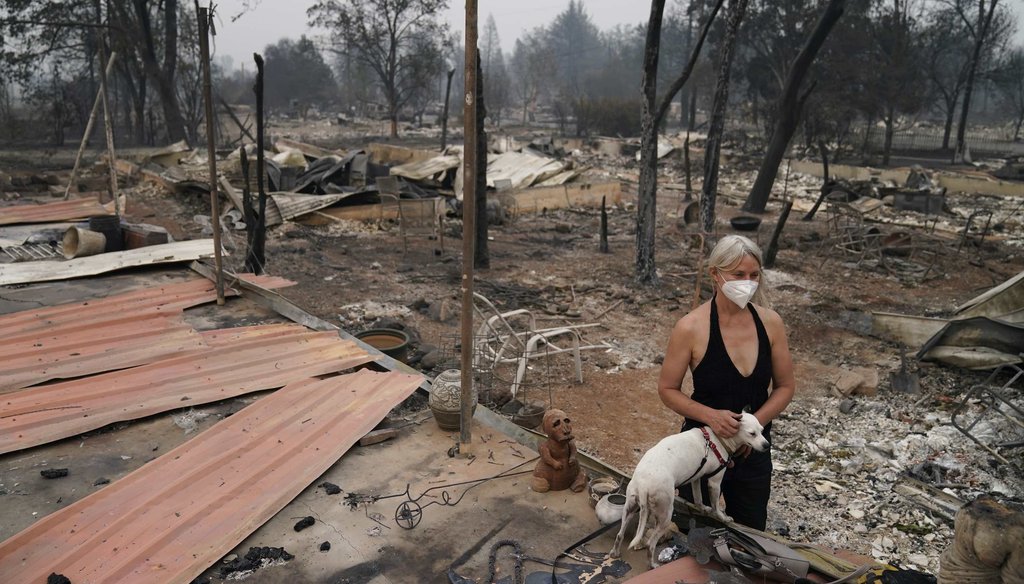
{"points": [[445, 399], [609, 508], [601, 487]]}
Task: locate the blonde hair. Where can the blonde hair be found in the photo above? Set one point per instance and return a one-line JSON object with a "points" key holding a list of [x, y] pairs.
{"points": [[729, 252]]}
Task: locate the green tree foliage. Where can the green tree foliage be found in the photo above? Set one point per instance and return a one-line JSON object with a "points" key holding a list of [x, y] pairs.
{"points": [[295, 72]]}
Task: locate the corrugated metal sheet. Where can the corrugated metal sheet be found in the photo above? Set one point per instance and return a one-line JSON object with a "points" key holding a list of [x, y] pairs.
{"points": [[83, 338], [73, 210], [425, 169], [290, 206], [48, 271], [61, 354], [229, 336], [522, 169], [174, 517], [46, 413], [169, 298]]}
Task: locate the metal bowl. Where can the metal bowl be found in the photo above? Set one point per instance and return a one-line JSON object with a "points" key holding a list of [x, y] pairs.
{"points": [[745, 223]]}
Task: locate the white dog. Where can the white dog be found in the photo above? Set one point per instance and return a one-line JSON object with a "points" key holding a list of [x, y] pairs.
{"points": [[678, 459]]}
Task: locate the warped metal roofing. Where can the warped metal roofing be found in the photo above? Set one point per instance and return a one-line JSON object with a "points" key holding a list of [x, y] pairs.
{"points": [[127, 343], [174, 517], [48, 271], [37, 415], [71, 210], [82, 338]]}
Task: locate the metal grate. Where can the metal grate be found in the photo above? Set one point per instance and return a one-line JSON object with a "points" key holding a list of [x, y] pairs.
{"points": [[990, 413], [31, 252]]}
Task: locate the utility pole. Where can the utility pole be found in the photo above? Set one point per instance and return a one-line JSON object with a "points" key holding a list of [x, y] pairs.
{"points": [[469, 170]]}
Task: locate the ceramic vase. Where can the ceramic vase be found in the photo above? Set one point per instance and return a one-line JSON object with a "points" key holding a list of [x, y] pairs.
{"points": [[446, 399]]}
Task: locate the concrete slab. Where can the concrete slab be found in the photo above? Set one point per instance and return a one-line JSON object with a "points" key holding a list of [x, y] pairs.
{"points": [[467, 505]]}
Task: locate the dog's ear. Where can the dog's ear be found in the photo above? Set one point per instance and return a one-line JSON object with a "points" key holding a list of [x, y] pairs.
{"points": [[746, 409]]}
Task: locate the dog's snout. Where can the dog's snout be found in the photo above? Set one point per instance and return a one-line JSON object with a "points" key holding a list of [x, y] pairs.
{"points": [[762, 445]]}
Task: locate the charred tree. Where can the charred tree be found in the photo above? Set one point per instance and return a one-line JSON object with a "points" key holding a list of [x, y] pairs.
{"points": [[482, 257], [737, 9], [825, 184], [652, 114], [162, 75], [646, 209], [980, 36], [256, 260], [444, 114], [791, 103]]}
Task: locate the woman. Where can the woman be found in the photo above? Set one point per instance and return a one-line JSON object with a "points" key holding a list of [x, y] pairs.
{"points": [[735, 347]]}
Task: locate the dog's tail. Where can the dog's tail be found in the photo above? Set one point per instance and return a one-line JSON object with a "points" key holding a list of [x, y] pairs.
{"points": [[642, 525]]}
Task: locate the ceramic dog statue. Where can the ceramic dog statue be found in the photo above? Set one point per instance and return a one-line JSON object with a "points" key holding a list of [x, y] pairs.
{"points": [[558, 469], [677, 459]]}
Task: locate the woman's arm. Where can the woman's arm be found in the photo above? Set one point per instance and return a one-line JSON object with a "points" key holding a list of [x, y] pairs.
{"points": [[670, 382], [783, 380]]}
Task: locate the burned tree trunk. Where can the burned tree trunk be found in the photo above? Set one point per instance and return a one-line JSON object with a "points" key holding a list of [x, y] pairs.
{"points": [[482, 257], [163, 76], [256, 260], [651, 118], [787, 113], [709, 189], [890, 129], [980, 36], [825, 181], [444, 114], [646, 209]]}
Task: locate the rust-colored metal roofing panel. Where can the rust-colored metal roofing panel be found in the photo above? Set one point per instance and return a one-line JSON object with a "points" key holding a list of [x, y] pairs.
{"points": [[62, 354], [171, 519], [71, 210], [229, 336], [167, 298], [46, 413]]}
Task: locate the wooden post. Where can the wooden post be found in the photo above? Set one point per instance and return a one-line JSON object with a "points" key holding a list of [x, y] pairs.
{"points": [[211, 150], [686, 163], [257, 254], [444, 114], [109, 131], [773, 247], [469, 169], [88, 127], [604, 228]]}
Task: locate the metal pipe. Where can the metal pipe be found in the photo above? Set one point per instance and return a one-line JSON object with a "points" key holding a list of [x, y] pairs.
{"points": [[468, 225], [211, 153]]}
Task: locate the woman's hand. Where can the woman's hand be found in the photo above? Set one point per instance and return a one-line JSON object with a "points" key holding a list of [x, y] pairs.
{"points": [[724, 423]]}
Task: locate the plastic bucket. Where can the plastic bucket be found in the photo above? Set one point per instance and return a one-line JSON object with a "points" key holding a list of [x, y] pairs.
{"points": [[110, 226], [80, 242]]}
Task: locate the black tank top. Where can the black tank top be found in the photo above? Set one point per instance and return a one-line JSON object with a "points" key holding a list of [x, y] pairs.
{"points": [[719, 385]]}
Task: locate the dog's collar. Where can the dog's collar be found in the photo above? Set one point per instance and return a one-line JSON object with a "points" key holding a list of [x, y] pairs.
{"points": [[711, 443]]}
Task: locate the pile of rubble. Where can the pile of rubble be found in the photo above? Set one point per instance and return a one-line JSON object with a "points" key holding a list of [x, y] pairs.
{"points": [[885, 473]]}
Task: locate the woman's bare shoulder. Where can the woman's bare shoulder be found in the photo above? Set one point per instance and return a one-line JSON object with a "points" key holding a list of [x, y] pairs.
{"points": [[694, 320], [771, 319]]}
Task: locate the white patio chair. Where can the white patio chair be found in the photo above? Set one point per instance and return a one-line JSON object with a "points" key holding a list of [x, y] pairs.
{"points": [[500, 342]]}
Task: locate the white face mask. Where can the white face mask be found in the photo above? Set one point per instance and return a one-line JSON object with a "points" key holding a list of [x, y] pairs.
{"points": [[739, 291]]}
